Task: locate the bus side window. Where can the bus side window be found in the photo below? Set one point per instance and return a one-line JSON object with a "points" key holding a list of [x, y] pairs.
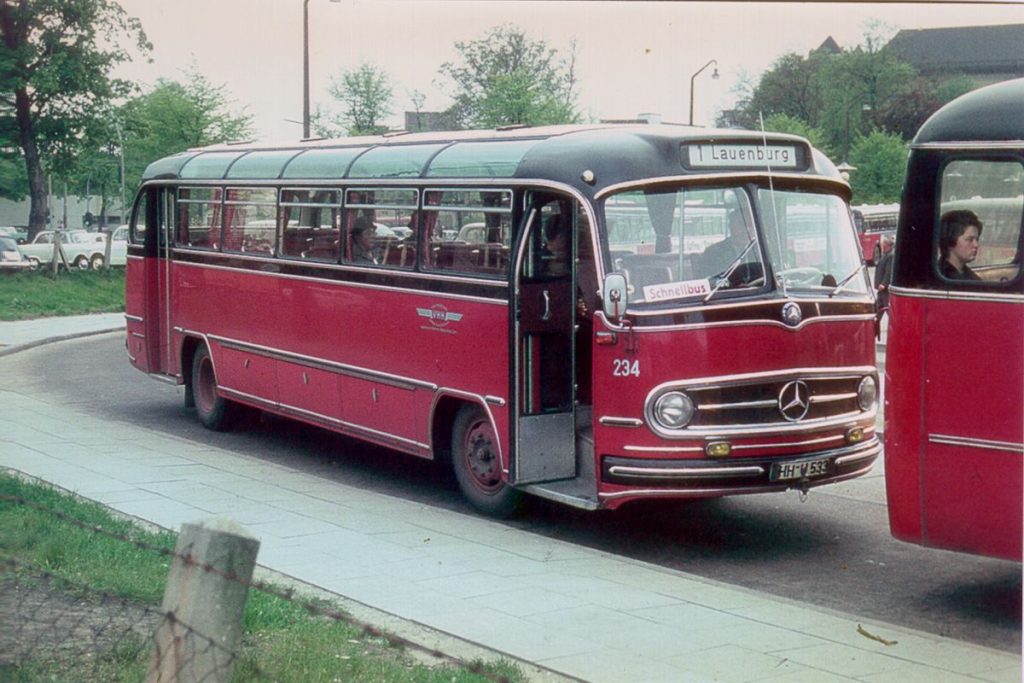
{"points": [[996, 200]]}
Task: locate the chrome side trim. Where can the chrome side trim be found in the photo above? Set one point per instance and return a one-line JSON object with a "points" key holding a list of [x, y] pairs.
{"points": [[133, 318], [320, 417], [731, 323], [630, 422], [969, 145], [739, 404], [686, 472], [969, 442], [789, 444], [322, 364], [991, 297], [495, 400], [741, 175], [497, 284], [664, 449], [847, 459], [138, 335], [709, 492]]}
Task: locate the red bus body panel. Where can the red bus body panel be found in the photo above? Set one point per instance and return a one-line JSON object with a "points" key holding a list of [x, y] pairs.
{"points": [[941, 494]]}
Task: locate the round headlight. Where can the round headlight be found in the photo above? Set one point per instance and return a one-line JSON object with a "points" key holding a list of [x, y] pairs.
{"points": [[867, 393], [673, 410]]}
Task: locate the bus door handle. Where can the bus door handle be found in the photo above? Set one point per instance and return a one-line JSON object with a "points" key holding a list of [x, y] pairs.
{"points": [[547, 307]]}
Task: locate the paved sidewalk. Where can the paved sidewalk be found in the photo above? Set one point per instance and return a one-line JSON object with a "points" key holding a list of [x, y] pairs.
{"points": [[24, 334], [579, 612]]}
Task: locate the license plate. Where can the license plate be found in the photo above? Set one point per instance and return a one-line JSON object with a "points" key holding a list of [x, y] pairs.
{"points": [[783, 471]]}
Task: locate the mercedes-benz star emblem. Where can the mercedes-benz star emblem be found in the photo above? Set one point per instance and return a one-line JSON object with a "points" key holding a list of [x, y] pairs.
{"points": [[791, 314], [794, 400]]}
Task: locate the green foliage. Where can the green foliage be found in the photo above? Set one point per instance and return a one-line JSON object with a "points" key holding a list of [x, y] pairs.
{"points": [[783, 123], [175, 116], [35, 295], [881, 161], [56, 58], [506, 78], [845, 96], [283, 640], [365, 96]]}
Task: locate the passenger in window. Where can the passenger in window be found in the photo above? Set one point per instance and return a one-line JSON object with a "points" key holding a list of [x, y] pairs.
{"points": [[555, 256], [959, 232], [363, 232], [720, 255]]}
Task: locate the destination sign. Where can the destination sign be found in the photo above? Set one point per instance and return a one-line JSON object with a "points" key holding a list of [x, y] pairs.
{"points": [[734, 155]]}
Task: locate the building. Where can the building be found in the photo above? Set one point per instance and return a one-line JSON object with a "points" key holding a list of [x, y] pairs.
{"points": [[985, 54]]}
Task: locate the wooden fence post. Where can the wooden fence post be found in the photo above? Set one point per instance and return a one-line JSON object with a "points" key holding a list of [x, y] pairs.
{"points": [[204, 602]]}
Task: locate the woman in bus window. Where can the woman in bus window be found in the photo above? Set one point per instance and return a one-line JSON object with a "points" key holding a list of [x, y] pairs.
{"points": [[959, 234], [362, 241]]}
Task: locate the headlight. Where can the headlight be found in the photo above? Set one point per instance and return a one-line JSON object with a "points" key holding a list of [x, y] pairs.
{"points": [[867, 393], [673, 410]]}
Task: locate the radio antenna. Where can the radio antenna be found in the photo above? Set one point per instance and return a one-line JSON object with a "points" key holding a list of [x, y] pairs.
{"points": [[775, 212]]}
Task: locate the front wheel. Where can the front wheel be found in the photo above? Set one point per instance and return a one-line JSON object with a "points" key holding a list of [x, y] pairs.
{"points": [[96, 262], [478, 467], [214, 411], [82, 263]]}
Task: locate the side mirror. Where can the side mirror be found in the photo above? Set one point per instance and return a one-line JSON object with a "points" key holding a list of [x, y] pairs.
{"points": [[614, 291]]}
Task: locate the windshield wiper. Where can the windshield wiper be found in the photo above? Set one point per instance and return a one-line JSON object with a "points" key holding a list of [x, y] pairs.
{"points": [[728, 271], [846, 280]]}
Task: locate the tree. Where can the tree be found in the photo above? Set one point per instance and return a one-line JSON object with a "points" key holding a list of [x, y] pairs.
{"points": [[881, 161], [790, 87], [507, 78], [783, 123], [56, 57], [174, 117], [365, 95]]}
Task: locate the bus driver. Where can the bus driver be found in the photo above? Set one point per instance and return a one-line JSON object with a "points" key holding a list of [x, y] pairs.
{"points": [[720, 255]]}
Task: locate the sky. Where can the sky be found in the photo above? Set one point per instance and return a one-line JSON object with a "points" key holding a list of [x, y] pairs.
{"points": [[632, 57]]}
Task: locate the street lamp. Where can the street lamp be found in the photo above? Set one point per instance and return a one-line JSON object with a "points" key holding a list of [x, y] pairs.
{"points": [[714, 75], [305, 67]]}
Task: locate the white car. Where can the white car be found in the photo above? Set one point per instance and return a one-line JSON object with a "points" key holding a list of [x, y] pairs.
{"points": [[119, 246], [82, 249], [11, 259]]}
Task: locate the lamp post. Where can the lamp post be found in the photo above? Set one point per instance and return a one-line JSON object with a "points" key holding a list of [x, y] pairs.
{"points": [[305, 68], [714, 75]]}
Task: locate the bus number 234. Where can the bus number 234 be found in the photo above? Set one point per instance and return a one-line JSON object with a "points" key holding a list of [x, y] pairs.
{"points": [[625, 368]]}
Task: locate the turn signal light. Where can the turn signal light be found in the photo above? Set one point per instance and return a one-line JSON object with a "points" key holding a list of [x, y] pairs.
{"points": [[718, 449], [855, 435]]}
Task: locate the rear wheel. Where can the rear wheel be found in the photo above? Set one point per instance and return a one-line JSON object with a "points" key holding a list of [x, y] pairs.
{"points": [[478, 467], [82, 263], [35, 264], [96, 262], [214, 411]]}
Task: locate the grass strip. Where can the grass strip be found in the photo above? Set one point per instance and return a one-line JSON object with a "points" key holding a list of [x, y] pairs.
{"points": [[284, 640], [39, 294]]}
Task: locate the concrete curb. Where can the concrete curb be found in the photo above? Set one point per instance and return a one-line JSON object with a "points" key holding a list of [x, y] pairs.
{"points": [[6, 351]]}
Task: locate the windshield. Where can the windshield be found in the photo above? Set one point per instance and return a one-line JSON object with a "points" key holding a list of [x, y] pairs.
{"points": [[674, 244]]}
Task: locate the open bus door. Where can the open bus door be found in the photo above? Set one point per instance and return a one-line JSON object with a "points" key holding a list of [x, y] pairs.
{"points": [[150, 304], [544, 367]]}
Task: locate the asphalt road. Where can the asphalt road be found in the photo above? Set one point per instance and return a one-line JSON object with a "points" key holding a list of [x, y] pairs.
{"points": [[832, 549]]}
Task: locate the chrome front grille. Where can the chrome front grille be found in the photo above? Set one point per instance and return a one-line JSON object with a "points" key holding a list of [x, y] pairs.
{"points": [[795, 400]]}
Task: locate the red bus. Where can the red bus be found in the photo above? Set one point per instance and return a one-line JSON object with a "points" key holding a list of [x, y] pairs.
{"points": [[954, 432], [873, 222], [561, 312]]}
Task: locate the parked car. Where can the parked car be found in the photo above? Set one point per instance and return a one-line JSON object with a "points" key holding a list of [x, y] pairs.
{"points": [[83, 250], [11, 258], [119, 246], [19, 235]]}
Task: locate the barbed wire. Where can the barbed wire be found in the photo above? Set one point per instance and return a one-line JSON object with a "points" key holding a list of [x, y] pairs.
{"points": [[312, 606]]}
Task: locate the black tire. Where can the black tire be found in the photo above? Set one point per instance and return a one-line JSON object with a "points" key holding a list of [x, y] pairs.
{"points": [[478, 467], [81, 262], [96, 262], [214, 411], [36, 265]]}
